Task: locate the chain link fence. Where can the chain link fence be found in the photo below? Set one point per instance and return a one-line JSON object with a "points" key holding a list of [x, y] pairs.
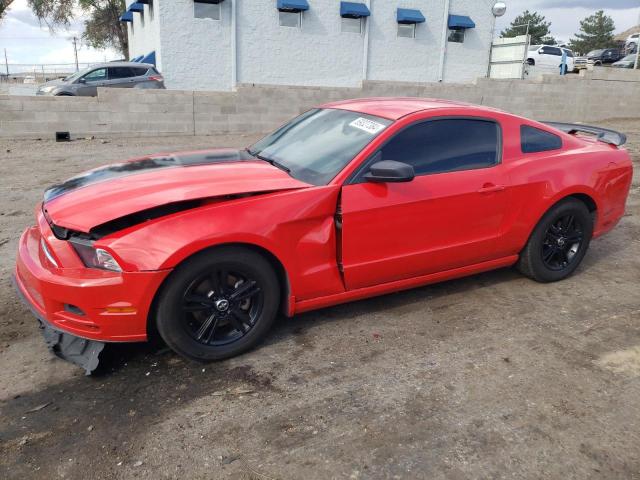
{"points": [[35, 74]]}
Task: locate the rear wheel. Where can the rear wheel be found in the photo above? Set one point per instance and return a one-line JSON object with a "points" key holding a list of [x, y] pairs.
{"points": [[218, 304], [558, 243]]}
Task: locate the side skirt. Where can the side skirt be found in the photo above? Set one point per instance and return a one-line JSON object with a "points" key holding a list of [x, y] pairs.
{"points": [[399, 285]]}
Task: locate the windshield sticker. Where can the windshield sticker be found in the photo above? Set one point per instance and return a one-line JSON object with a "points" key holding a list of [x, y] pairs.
{"points": [[366, 125]]}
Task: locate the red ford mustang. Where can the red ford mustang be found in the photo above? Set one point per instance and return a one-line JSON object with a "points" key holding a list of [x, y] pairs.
{"points": [[348, 200]]}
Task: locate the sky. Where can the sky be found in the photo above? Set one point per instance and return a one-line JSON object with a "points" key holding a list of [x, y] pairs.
{"points": [[28, 42], [565, 15]]}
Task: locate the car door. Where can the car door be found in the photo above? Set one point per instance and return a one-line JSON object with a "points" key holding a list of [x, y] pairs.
{"points": [[555, 56], [450, 215], [87, 85], [120, 77], [544, 57]]}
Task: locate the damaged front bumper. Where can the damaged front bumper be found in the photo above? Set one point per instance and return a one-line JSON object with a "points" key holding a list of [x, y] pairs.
{"points": [[81, 351]]}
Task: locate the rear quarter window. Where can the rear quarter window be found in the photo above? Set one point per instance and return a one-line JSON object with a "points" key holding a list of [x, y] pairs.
{"points": [[534, 140]]}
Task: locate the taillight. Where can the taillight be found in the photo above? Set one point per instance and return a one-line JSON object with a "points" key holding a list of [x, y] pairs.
{"points": [[156, 78]]}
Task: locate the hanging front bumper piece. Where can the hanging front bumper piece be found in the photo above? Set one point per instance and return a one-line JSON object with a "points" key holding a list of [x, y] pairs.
{"points": [[81, 351]]}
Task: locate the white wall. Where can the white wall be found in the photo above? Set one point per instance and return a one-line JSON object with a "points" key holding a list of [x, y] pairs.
{"points": [[144, 39], [317, 54], [405, 59], [196, 52], [464, 62]]}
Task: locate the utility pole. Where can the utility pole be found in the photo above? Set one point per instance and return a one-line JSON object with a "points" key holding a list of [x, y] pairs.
{"points": [[6, 63], [75, 51]]}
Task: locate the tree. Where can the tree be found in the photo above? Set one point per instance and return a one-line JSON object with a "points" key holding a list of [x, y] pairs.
{"points": [[539, 28], [596, 32], [102, 27], [4, 5]]}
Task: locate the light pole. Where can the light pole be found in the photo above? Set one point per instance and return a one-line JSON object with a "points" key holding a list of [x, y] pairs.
{"points": [[498, 10]]}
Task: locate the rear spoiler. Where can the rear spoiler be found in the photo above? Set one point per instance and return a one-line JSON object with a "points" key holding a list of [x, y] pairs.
{"points": [[602, 134]]}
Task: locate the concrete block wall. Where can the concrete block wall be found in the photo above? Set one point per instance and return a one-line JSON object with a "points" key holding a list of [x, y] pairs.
{"points": [[262, 108]]}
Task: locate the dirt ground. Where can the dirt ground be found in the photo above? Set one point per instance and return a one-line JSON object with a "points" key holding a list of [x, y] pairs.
{"points": [[492, 376]]}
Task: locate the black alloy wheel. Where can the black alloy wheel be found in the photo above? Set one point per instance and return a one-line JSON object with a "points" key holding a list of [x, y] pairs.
{"points": [[562, 242], [218, 303], [558, 243], [221, 307]]}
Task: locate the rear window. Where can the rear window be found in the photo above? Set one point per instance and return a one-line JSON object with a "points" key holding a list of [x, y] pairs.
{"points": [[140, 71], [534, 140]]}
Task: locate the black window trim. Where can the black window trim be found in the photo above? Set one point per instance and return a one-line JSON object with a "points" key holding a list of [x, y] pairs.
{"points": [[358, 175], [522, 125]]}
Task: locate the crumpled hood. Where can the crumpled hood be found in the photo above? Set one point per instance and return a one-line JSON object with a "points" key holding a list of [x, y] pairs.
{"points": [[115, 191]]}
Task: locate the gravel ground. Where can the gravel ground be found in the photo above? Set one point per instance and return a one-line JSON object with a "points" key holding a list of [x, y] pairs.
{"points": [[492, 376]]}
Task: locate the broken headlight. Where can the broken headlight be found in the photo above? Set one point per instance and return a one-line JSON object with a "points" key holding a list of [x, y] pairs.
{"points": [[94, 257]]}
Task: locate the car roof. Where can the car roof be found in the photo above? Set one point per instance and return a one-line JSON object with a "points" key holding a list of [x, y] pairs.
{"points": [[394, 108], [122, 64]]}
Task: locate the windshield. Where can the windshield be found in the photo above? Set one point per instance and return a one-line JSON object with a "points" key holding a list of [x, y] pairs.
{"points": [[77, 75], [595, 53], [318, 144]]}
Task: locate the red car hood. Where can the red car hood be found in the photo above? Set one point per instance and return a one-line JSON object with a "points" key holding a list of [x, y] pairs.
{"points": [[108, 193]]}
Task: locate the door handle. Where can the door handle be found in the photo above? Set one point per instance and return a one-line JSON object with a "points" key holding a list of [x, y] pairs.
{"points": [[491, 188]]}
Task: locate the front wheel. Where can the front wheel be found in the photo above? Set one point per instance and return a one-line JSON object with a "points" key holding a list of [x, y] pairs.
{"points": [[558, 243], [218, 304]]}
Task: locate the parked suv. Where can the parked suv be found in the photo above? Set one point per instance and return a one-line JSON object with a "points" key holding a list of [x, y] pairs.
{"points": [[604, 56], [549, 56], [115, 75]]}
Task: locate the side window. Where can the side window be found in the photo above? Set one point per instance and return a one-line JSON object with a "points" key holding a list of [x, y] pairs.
{"points": [[447, 145], [98, 75], [555, 51], [140, 71], [535, 140], [116, 73]]}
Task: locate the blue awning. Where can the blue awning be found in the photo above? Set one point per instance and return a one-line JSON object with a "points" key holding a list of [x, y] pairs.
{"points": [[149, 58], [409, 15], [460, 22], [293, 5], [136, 7], [354, 10], [126, 17]]}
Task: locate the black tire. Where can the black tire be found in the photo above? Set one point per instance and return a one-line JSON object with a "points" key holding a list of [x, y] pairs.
{"points": [[555, 250], [531, 61], [192, 296]]}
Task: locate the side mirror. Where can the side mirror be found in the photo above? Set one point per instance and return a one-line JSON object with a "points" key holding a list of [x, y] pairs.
{"points": [[390, 171], [82, 80]]}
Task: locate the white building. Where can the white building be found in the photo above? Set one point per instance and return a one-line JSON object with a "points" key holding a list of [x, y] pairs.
{"points": [[218, 44]]}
